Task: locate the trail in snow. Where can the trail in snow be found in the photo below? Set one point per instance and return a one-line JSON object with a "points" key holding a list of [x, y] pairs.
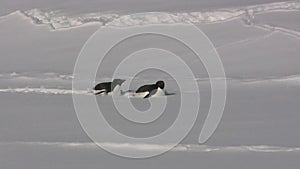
{"points": [[273, 28], [287, 80], [246, 41], [45, 91], [159, 147]]}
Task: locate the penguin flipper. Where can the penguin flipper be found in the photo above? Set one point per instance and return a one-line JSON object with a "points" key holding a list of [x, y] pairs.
{"points": [[147, 96], [151, 93], [100, 92]]}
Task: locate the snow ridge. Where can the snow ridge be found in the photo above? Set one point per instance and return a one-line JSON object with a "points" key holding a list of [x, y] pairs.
{"points": [[57, 20]]}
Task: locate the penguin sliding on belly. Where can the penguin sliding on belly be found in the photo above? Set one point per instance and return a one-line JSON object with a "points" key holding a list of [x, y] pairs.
{"points": [[109, 88], [146, 91]]}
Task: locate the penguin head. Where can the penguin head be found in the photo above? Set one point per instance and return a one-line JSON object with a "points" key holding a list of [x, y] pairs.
{"points": [[118, 81], [160, 84]]}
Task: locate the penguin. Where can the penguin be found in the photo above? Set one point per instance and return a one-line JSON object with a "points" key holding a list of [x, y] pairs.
{"points": [[109, 88], [151, 90]]}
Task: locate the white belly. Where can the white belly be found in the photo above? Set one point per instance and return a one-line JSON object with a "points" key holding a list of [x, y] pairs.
{"points": [[116, 91], [155, 93], [141, 94], [158, 92], [100, 92]]}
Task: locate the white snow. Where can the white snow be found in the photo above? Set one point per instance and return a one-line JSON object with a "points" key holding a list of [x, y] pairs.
{"points": [[58, 20], [258, 42]]}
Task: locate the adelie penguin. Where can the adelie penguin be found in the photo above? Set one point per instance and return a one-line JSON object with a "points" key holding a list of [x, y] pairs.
{"points": [[109, 88], [150, 90]]}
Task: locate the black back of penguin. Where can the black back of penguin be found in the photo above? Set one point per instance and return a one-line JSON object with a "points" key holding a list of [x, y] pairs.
{"points": [[108, 86], [151, 87], [104, 86]]}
